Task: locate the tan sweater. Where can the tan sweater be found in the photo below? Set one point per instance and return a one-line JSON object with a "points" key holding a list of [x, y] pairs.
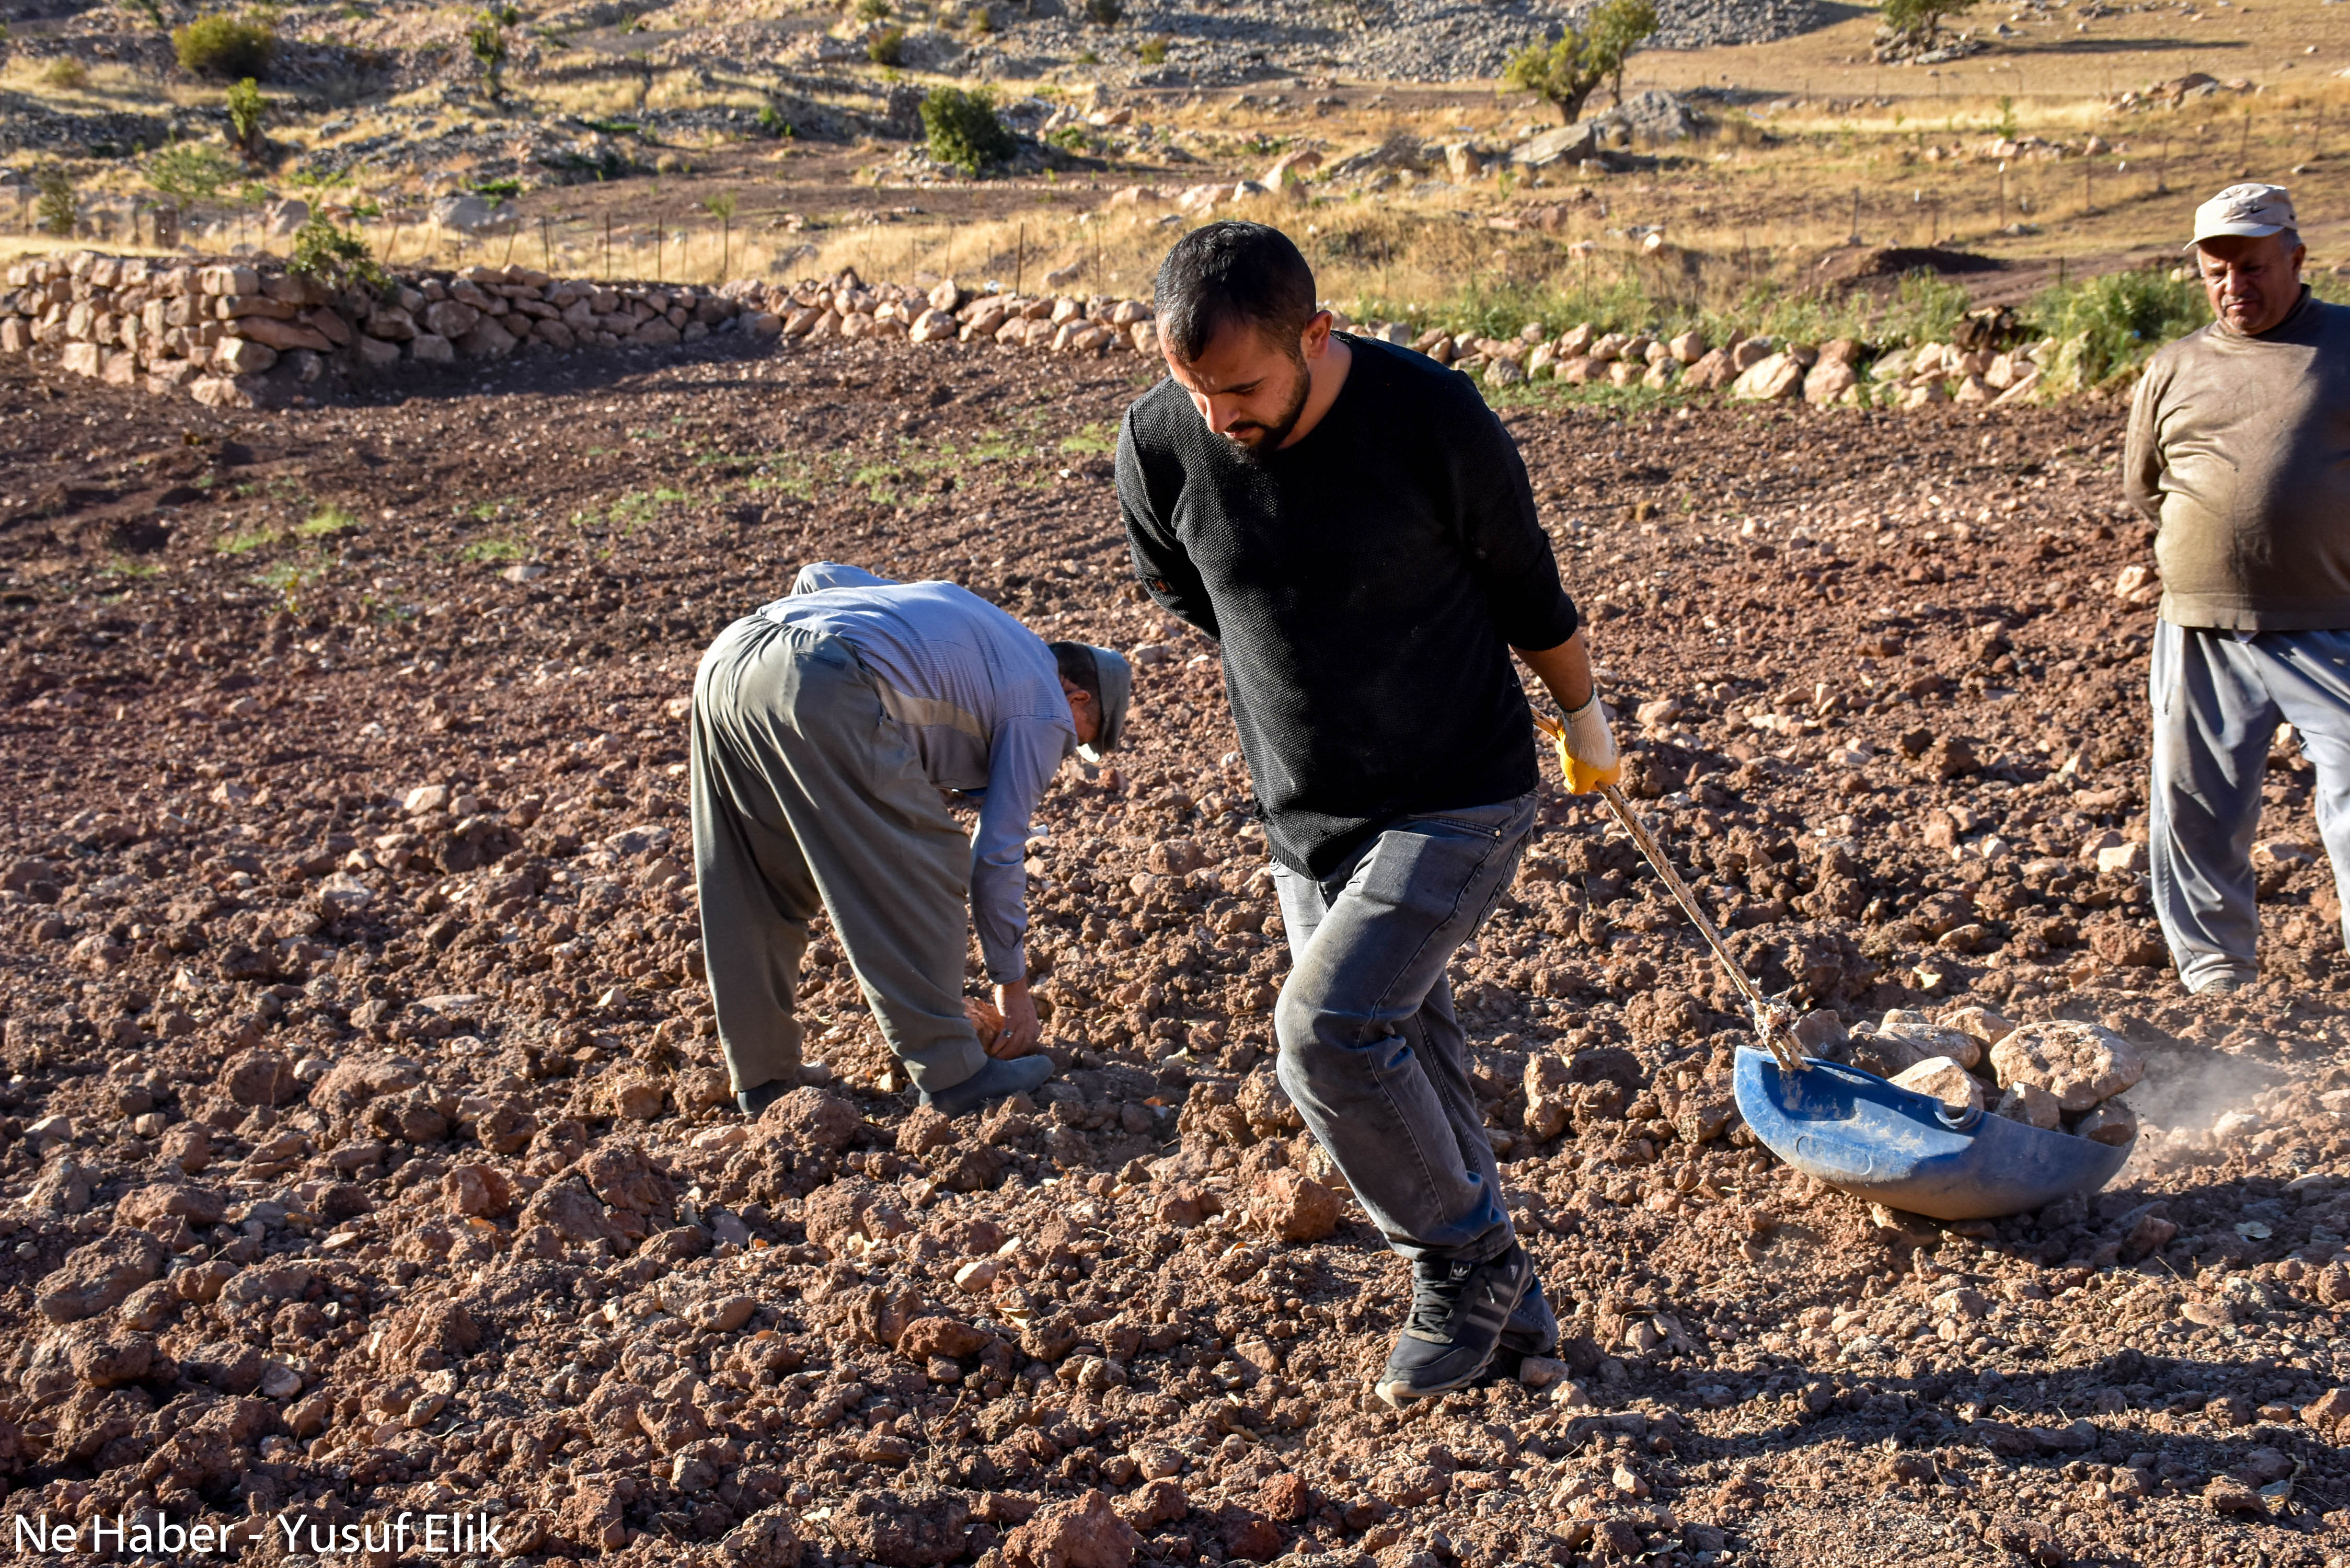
{"points": [[2239, 450]]}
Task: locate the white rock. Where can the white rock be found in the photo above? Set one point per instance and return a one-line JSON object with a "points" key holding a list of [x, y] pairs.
{"points": [[2080, 1064], [424, 799], [1945, 1079], [2121, 859], [2031, 1105]]}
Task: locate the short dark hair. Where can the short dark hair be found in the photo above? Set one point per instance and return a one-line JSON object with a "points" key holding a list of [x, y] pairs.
{"points": [[1077, 668], [1230, 271]]}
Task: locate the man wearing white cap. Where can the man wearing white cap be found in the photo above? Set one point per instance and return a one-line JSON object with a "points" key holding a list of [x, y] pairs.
{"points": [[825, 727], [2238, 451]]}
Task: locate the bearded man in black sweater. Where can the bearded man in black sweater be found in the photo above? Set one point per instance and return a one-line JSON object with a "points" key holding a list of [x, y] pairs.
{"points": [[1350, 521]]}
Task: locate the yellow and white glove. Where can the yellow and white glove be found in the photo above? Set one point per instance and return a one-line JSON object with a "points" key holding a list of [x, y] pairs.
{"points": [[1586, 749]]}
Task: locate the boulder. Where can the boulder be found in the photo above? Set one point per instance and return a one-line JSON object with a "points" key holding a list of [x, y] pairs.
{"points": [[1770, 378], [1945, 1079], [2078, 1064]]}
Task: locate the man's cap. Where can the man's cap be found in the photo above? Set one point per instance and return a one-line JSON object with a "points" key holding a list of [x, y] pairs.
{"points": [[2254, 211], [1114, 685]]}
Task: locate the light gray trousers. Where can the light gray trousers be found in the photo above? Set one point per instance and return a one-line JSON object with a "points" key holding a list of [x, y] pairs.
{"points": [[806, 796], [1371, 1052], [2217, 703]]}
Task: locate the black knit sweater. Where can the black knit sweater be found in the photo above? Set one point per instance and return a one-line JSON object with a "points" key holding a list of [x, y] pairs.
{"points": [[1367, 585]]}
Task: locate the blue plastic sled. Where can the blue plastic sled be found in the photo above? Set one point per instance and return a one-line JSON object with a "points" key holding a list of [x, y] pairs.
{"points": [[1892, 1146]]}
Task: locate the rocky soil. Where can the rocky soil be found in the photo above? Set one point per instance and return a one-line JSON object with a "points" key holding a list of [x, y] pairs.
{"points": [[365, 1147]]}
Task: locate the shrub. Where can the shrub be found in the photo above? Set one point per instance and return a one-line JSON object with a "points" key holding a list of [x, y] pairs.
{"points": [[189, 171], [1103, 13], [57, 208], [225, 48], [66, 72], [773, 123], [1153, 52], [487, 37], [982, 20], [886, 47], [336, 257], [2107, 324], [870, 10], [964, 132]]}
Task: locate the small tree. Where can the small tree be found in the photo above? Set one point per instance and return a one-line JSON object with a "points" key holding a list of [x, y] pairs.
{"points": [[886, 47], [963, 131], [247, 112], [151, 12], [721, 207], [1916, 24], [1568, 70], [336, 257], [57, 207], [189, 171], [488, 38]]}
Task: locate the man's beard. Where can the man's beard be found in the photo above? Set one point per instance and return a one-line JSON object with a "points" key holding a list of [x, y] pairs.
{"points": [[1276, 431]]}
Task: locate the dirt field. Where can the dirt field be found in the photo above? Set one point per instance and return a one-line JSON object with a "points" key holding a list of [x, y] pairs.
{"points": [[364, 1147]]}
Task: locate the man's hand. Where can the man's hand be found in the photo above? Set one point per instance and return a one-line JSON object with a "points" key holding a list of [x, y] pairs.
{"points": [[1021, 1030], [1588, 747]]}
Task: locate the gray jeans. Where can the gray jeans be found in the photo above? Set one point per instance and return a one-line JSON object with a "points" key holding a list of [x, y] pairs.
{"points": [[1370, 1050], [807, 796], [2217, 703]]}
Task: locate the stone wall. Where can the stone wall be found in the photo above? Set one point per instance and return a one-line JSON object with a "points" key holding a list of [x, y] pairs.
{"points": [[235, 333]]}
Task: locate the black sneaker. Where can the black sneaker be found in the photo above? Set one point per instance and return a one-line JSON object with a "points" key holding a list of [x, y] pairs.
{"points": [[995, 1080], [1458, 1313], [1533, 1329]]}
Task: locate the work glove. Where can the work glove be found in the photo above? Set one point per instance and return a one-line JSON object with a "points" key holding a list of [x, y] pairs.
{"points": [[1586, 749]]}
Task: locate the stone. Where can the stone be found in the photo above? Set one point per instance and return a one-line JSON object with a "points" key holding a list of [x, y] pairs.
{"points": [[1689, 347], [146, 1208], [1505, 373], [2031, 1105], [242, 357], [489, 339], [948, 1336], [2121, 859], [431, 349], [468, 213], [1562, 143], [478, 1191], [96, 1278], [1541, 1371], [1160, 1500], [2112, 1122], [1828, 381], [1083, 1534], [284, 335], [1293, 1207], [1983, 1025], [2328, 1410], [1925, 1039], [1944, 1078], [2079, 1063], [1770, 378], [378, 354], [261, 1078]]}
